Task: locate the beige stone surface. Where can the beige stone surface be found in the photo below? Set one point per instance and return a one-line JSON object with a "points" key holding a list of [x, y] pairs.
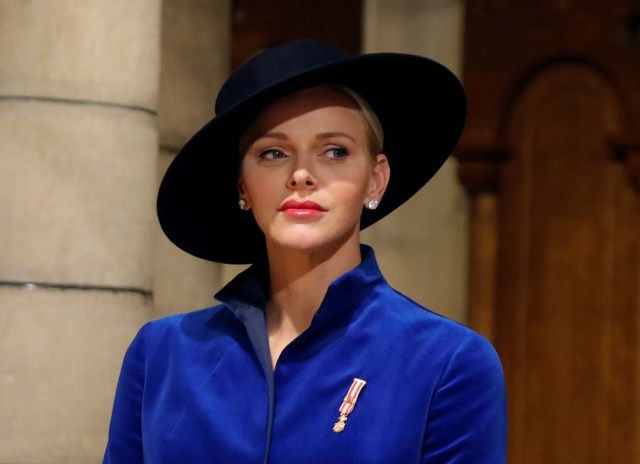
{"points": [[423, 246], [78, 194], [433, 28], [60, 356], [93, 49], [195, 62]]}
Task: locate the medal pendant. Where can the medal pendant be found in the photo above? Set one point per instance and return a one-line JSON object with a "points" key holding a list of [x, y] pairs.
{"points": [[339, 426]]}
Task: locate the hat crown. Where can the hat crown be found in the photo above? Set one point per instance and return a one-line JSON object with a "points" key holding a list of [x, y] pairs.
{"points": [[273, 66]]}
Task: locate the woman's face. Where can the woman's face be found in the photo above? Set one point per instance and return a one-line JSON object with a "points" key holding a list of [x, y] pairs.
{"points": [[306, 171]]}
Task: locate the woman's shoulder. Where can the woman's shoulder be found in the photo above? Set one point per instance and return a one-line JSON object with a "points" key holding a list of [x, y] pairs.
{"points": [[403, 310], [400, 316], [192, 326], [177, 320], [191, 337]]}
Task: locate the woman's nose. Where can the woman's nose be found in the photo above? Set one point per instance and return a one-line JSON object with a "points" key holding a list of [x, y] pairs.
{"points": [[301, 179]]}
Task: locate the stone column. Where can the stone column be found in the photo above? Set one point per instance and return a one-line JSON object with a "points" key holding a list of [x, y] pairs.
{"points": [[196, 44], [423, 246], [78, 92]]}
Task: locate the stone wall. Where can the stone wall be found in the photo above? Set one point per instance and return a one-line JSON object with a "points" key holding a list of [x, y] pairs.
{"points": [[78, 104]]}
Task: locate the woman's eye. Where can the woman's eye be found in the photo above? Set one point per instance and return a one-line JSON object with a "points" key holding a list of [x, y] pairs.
{"points": [[272, 154], [337, 152]]}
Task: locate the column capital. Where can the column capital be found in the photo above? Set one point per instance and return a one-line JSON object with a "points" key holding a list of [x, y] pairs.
{"points": [[627, 149], [479, 160]]}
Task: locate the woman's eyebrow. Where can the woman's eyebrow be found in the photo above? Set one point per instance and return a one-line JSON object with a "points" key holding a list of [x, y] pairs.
{"points": [[270, 135], [250, 139], [328, 135], [283, 136], [274, 135]]}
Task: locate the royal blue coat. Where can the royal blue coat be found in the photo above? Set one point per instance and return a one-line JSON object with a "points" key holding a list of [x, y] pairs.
{"points": [[199, 388]]}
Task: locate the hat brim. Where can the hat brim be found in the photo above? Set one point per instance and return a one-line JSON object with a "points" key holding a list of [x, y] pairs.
{"points": [[421, 106]]}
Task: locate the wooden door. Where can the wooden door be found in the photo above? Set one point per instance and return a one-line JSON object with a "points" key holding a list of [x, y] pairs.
{"points": [[550, 161], [567, 283]]}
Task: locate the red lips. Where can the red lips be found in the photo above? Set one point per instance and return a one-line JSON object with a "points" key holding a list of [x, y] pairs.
{"points": [[299, 208], [296, 204]]}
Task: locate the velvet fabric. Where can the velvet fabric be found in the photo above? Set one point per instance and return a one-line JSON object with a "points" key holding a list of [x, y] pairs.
{"points": [[199, 388]]}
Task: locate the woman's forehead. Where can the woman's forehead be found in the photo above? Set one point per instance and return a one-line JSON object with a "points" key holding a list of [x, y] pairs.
{"points": [[311, 101], [307, 100]]}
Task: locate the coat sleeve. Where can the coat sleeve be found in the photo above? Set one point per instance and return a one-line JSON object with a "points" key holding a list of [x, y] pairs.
{"points": [[124, 444], [468, 415]]}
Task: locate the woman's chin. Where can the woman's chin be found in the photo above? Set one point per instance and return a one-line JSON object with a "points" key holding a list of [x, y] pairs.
{"points": [[308, 242], [305, 244]]}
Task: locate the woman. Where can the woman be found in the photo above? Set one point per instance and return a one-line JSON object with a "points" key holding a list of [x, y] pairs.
{"points": [[310, 357]]}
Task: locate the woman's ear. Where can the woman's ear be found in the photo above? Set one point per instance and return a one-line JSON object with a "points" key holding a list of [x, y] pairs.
{"points": [[243, 201], [379, 178], [240, 185]]}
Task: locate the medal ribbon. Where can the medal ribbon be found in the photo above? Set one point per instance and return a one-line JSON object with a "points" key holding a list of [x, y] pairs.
{"points": [[352, 396]]}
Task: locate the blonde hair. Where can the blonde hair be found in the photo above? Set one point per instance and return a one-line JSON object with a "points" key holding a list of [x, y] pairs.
{"points": [[375, 134]]}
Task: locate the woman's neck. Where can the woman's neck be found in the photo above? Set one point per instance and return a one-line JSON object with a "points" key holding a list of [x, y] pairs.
{"points": [[298, 284]]}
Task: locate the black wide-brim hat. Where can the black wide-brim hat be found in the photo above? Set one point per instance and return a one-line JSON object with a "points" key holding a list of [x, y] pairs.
{"points": [[421, 106]]}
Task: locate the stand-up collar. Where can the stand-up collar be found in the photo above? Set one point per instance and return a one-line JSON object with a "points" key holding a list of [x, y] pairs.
{"points": [[246, 295]]}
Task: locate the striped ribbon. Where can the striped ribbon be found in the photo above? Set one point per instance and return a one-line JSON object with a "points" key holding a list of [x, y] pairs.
{"points": [[348, 404]]}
